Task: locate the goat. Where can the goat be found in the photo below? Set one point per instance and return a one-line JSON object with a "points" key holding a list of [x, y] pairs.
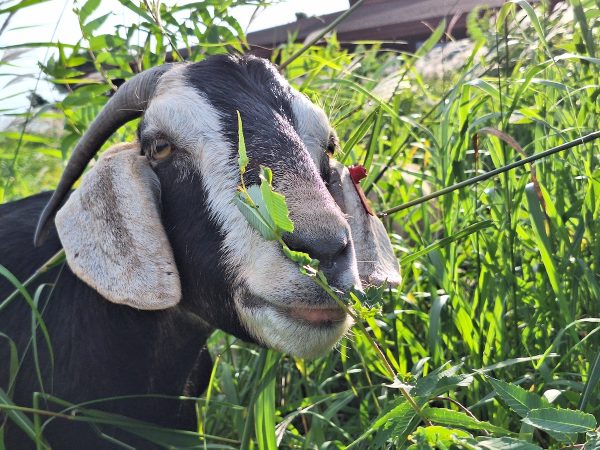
{"points": [[159, 256]]}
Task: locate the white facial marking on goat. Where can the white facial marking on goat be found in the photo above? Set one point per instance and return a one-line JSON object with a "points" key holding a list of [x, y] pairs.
{"points": [[286, 335], [186, 117]]}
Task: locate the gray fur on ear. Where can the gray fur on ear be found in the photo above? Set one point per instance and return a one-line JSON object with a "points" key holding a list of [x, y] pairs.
{"points": [[377, 263], [112, 234]]}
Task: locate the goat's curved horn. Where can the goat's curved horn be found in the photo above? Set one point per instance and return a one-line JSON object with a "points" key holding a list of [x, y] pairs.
{"points": [[128, 103]]}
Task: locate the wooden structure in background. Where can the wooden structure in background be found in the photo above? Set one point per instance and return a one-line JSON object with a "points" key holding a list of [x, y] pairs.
{"points": [[402, 23]]}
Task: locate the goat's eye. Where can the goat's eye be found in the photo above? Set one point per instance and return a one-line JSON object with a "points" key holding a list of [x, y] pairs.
{"points": [[162, 150]]}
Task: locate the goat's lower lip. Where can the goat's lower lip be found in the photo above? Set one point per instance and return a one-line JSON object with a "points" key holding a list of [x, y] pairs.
{"points": [[310, 315]]}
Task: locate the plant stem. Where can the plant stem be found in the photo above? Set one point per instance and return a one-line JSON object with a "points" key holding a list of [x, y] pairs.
{"points": [[325, 286], [485, 176]]}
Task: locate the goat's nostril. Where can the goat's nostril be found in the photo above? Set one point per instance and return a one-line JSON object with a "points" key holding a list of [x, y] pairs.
{"points": [[327, 249]]}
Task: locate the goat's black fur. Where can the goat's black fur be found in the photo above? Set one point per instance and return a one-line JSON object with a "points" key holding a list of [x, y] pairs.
{"points": [[102, 349]]}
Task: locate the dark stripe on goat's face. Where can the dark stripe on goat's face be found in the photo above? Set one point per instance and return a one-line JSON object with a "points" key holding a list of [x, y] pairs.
{"points": [[253, 87], [207, 285]]}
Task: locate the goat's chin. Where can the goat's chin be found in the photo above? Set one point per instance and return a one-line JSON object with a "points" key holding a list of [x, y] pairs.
{"points": [[301, 331]]}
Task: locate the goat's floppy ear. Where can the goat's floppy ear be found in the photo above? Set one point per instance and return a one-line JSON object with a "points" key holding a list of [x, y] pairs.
{"points": [[112, 234], [377, 263]]}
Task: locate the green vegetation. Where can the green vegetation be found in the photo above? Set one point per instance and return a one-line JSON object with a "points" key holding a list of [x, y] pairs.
{"points": [[493, 334]]}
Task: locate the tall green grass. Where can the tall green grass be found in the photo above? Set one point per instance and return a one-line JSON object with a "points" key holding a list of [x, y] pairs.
{"points": [[494, 331]]}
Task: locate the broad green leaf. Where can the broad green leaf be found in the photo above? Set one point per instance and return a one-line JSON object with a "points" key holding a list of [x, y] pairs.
{"points": [[441, 381], [398, 417], [298, 257], [561, 421], [21, 5], [517, 398], [92, 26], [254, 214], [266, 174], [276, 207], [460, 419], [136, 9], [401, 423]]}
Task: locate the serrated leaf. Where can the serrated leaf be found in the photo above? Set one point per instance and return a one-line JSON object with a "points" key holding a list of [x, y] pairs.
{"points": [[565, 421], [276, 208], [254, 214], [401, 424], [459, 419], [440, 381], [396, 420], [517, 398]]}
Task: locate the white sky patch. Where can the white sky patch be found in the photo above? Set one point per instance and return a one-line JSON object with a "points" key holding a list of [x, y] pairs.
{"points": [[44, 22]]}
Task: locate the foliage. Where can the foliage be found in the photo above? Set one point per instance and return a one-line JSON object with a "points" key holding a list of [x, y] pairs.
{"points": [[493, 333]]}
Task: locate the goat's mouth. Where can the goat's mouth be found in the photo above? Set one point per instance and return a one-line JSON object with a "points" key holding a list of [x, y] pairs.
{"points": [[302, 328], [315, 316], [305, 314]]}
